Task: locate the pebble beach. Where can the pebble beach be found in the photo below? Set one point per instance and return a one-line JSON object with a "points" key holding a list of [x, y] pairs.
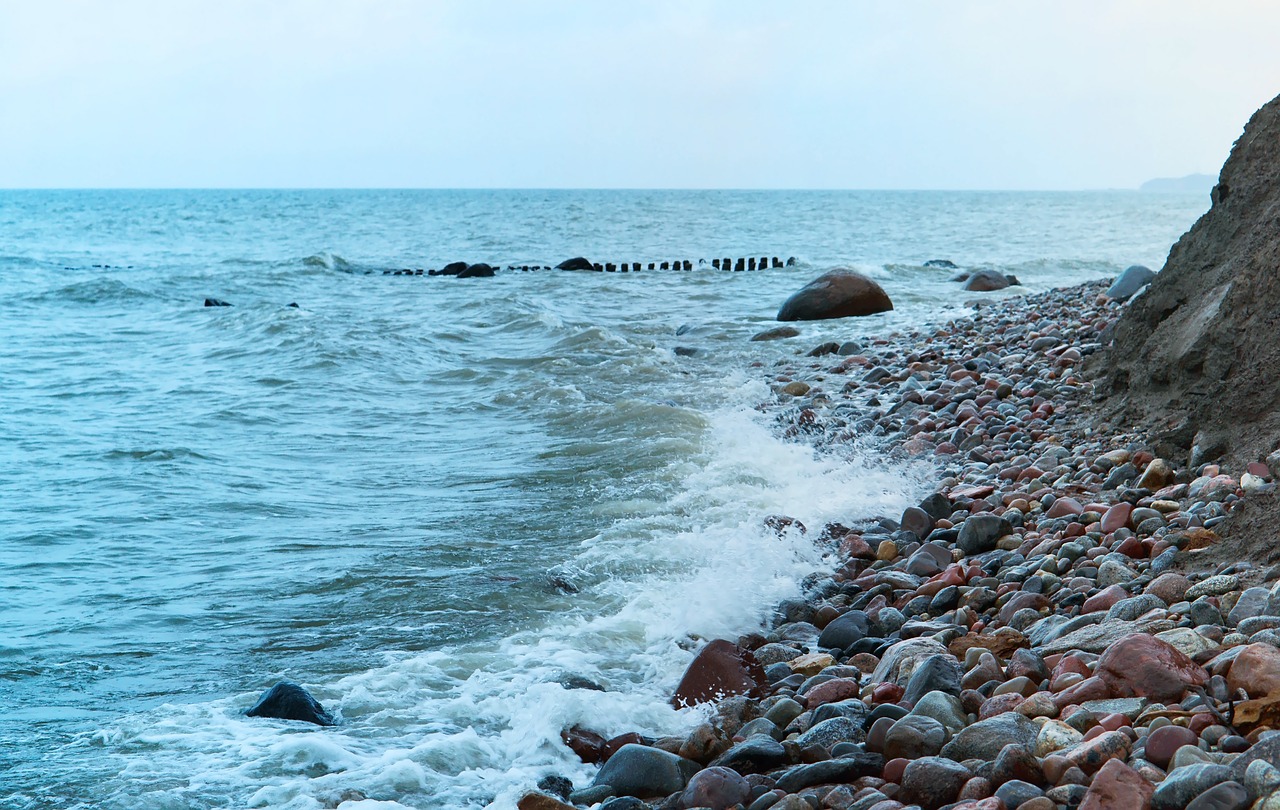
{"points": [[1049, 629]]}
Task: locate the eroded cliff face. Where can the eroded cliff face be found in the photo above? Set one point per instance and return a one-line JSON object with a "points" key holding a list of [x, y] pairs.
{"points": [[1195, 362]]}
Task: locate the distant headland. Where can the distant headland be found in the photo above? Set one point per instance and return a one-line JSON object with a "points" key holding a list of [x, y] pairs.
{"points": [[1191, 184]]}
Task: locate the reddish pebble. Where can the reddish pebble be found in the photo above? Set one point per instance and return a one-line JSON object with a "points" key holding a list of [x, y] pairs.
{"points": [[1095, 732], [1117, 517], [887, 692], [1064, 507], [1075, 530], [1199, 722], [1113, 722], [1164, 741], [1104, 599], [999, 705], [975, 788], [893, 770], [1133, 548], [1259, 469]]}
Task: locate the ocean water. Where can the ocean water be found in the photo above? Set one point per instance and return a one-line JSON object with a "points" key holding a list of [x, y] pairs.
{"points": [[429, 500]]}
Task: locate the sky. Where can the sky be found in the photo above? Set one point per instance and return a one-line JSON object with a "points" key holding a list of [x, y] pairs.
{"points": [[858, 94]]}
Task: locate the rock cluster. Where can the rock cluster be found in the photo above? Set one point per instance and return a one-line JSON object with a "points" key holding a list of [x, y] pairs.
{"points": [[1038, 633]]}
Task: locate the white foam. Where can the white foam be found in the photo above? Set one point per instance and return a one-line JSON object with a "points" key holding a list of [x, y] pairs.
{"points": [[478, 725]]}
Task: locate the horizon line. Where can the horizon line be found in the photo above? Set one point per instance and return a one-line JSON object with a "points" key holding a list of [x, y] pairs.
{"points": [[1102, 189]]}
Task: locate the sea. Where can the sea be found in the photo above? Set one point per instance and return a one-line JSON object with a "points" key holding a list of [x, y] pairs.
{"points": [[441, 505]]}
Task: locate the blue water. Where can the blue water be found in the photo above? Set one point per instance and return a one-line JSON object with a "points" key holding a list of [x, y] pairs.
{"points": [[374, 493]]}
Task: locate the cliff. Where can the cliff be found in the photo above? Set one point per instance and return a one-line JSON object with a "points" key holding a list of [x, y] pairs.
{"points": [[1195, 362]]}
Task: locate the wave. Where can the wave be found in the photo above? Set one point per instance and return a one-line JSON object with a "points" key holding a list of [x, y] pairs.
{"points": [[329, 261], [477, 724]]}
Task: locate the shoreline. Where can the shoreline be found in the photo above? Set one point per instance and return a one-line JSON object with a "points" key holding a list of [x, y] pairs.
{"points": [[1054, 604]]}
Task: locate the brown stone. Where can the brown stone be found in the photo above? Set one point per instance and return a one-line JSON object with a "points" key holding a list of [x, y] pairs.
{"points": [[1169, 587], [721, 669], [1144, 666], [999, 705], [1116, 786], [1002, 643], [1256, 670], [588, 745], [1064, 507], [840, 293], [1117, 517], [1165, 741], [541, 801], [1104, 599], [832, 691]]}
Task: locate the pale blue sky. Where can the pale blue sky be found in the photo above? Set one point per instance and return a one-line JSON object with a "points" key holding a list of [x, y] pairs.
{"points": [[1007, 94]]}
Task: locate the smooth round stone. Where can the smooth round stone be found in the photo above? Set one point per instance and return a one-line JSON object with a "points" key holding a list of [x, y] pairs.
{"points": [[1164, 742], [1189, 755], [1233, 744], [1022, 685]]}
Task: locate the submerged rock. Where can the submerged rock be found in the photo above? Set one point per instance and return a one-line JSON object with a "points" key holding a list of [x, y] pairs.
{"points": [[576, 263], [289, 701], [840, 293]]}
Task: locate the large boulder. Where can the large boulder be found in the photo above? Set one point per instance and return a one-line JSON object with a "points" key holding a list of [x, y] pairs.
{"points": [[840, 293], [478, 270], [988, 281], [289, 701], [1144, 666], [576, 263], [720, 670], [450, 269]]}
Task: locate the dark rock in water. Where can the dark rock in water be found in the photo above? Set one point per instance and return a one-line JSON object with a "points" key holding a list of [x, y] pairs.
{"points": [[840, 293], [562, 583], [824, 349], [620, 803], [1127, 284], [640, 771], [478, 270], [579, 682], [214, 302], [776, 333], [294, 305], [576, 263], [588, 745], [450, 269], [684, 328], [556, 785], [720, 670], [945, 264], [986, 281], [963, 275], [685, 351], [289, 701], [541, 801]]}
